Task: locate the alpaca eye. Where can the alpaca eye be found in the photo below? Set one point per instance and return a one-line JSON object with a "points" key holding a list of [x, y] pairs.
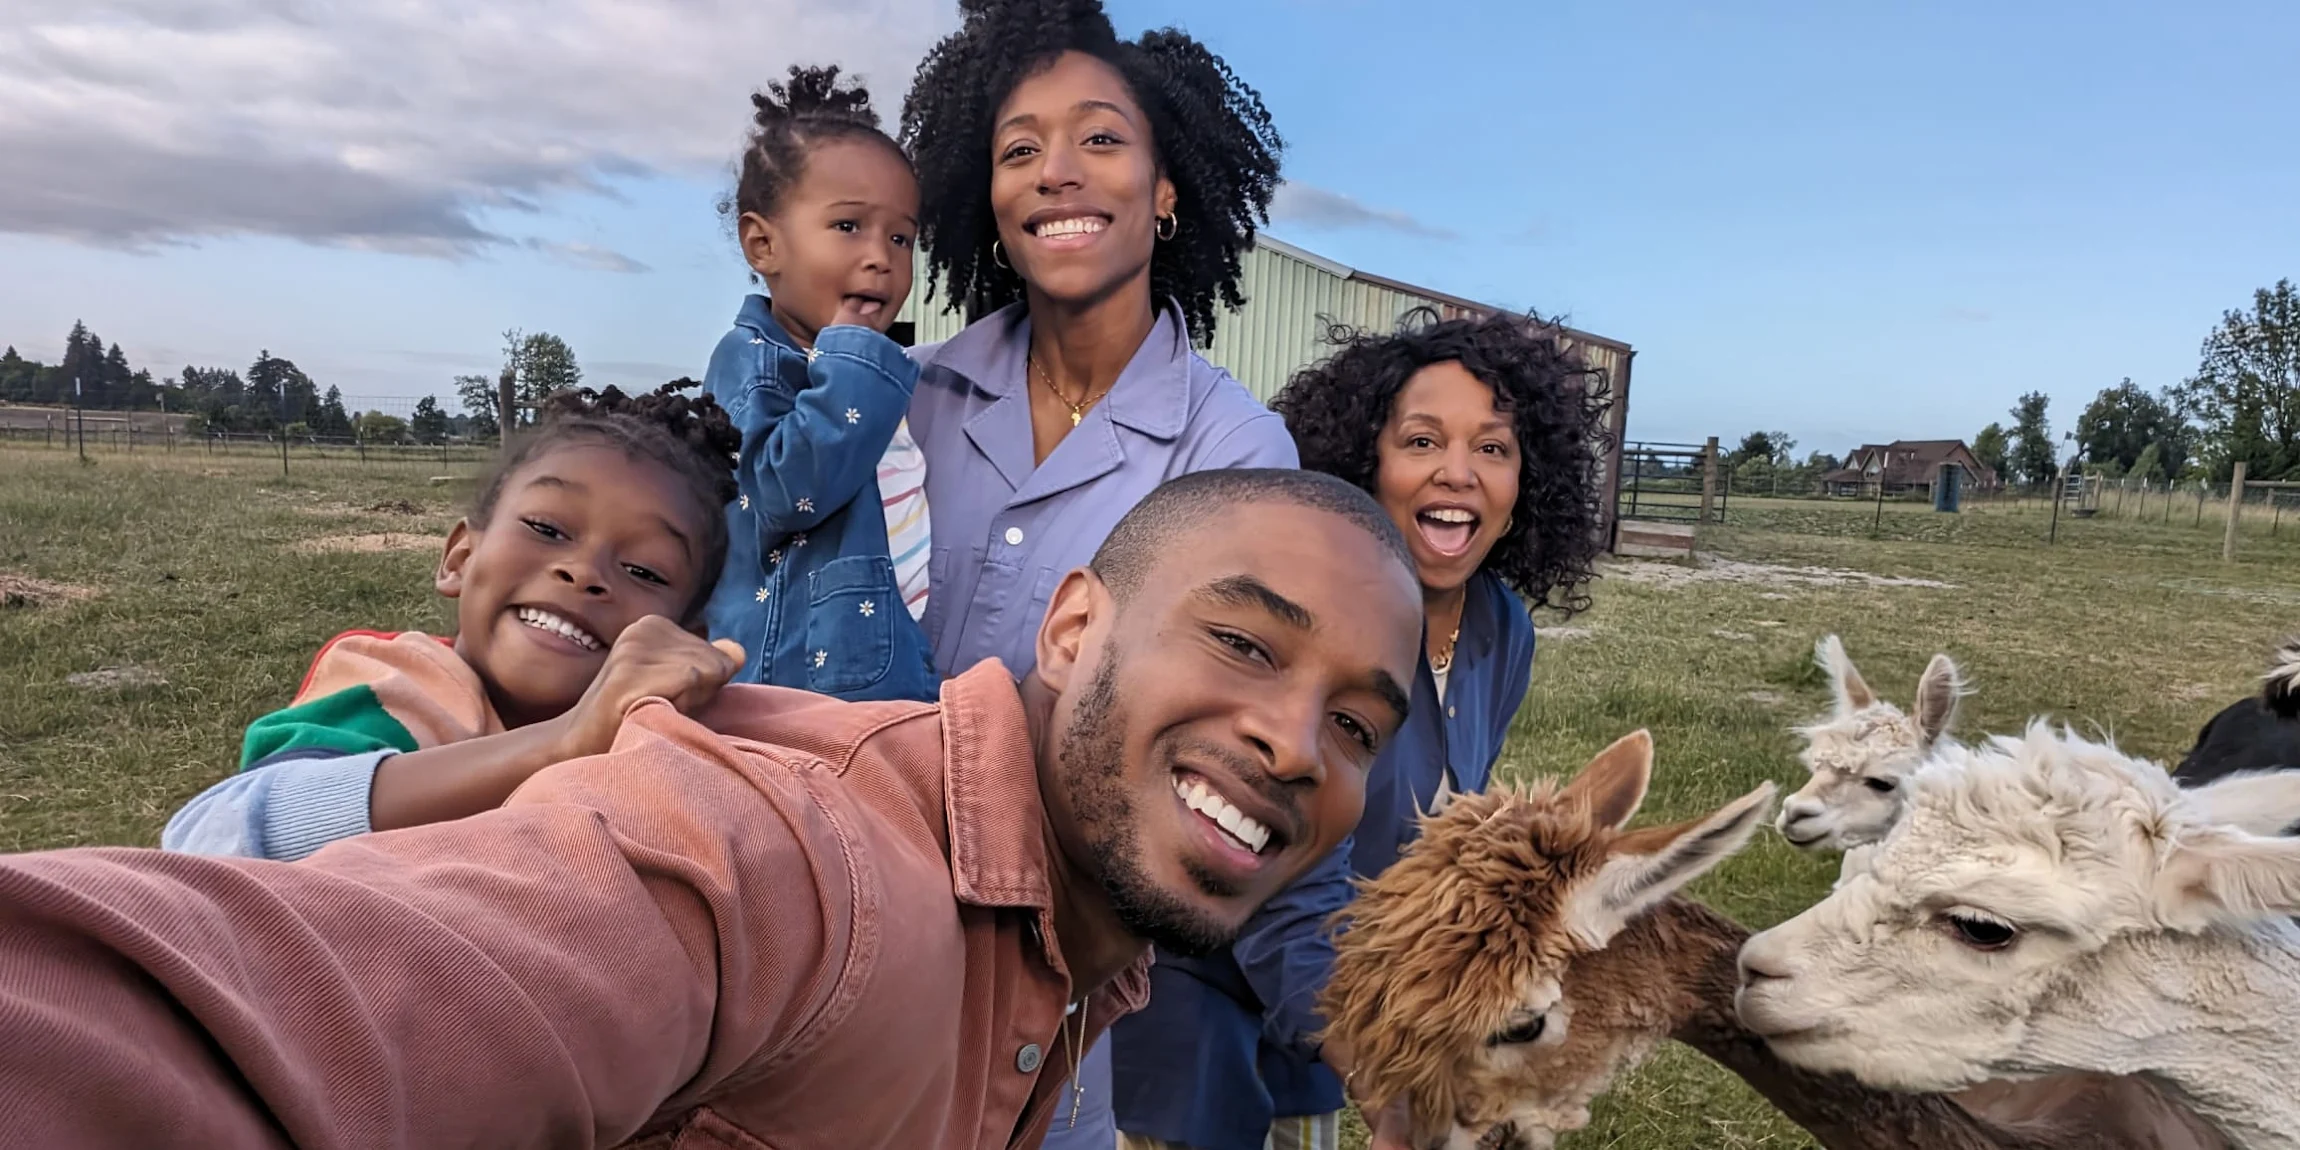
{"points": [[1521, 1033], [1979, 933], [1881, 786]]}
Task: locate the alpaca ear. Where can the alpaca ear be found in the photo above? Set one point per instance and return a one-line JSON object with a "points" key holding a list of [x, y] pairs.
{"points": [[2218, 876], [1444, 797], [1852, 691], [2256, 802], [2280, 687], [1613, 784], [1647, 866], [1937, 695]]}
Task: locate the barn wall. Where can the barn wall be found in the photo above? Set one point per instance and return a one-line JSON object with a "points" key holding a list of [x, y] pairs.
{"points": [[1291, 295]]}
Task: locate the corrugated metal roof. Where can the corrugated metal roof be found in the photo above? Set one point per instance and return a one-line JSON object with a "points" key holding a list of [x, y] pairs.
{"points": [[1292, 295]]}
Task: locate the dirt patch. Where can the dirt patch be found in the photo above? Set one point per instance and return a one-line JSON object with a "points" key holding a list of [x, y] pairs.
{"points": [[116, 678], [2265, 596], [24, 591], [365, 544], [331, 509], [1562, 634], [1708, 568]]}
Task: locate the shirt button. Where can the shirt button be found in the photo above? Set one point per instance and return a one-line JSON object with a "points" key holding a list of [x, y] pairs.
{"points": [[1026, 1059], [1449, 712], [1014, 536]]}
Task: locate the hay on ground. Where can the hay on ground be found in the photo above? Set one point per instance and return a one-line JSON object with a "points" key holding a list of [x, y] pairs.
{"points": [[365, 544]]}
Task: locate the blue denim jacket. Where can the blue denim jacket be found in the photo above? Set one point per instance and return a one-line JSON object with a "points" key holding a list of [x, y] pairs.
{"points": [[808, 589], [1223, 1047]]}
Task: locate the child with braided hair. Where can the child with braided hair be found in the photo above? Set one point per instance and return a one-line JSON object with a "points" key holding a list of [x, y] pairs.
{"points": [[826, 574], [579, 578]]}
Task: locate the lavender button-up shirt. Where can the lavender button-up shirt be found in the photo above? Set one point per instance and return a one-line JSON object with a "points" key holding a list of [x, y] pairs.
{"points": [[1007, 529]]}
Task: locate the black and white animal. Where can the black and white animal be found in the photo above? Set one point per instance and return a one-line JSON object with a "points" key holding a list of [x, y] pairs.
{"points": [[2260, 733]]}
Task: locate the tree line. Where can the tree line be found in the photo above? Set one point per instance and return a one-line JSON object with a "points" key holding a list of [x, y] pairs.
{"points": [[274, 395], [2243, 403]]}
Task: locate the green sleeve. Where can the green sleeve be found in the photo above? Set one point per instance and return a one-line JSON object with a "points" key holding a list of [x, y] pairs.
{"points": [[350, 722]]}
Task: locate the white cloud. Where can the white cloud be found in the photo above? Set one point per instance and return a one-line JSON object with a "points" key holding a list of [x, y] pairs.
{"points": [[1315, 207], [422, 126], [588, 256]]}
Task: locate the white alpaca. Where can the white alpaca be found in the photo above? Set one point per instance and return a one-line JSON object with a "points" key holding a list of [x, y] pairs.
{"points": [[1861, 754], [2049, 904]]}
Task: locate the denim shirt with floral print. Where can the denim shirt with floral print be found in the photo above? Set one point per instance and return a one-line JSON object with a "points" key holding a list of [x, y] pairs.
{"points": [[808, 588]]}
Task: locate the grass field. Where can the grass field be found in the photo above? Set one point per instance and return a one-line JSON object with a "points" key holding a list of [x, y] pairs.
{"points": [[205, 583]]}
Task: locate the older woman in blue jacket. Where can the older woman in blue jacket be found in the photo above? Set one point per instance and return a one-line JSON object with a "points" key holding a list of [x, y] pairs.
{"points": [[1480, 438]]}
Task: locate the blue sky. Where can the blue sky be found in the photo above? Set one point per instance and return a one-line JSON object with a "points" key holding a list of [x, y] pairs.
{"points": [[1848, 222]]}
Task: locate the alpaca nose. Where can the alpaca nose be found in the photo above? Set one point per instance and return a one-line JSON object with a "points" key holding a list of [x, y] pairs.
{"points": [[1761, 960], [1797, 817]]}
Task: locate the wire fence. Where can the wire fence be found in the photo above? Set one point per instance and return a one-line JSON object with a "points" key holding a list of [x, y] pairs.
{"points": [[129, 438], [2263, 509], [2227, 519]]}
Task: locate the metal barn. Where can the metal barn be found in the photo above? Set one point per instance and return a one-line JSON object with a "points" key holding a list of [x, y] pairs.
{"points": [[1291, 297]]}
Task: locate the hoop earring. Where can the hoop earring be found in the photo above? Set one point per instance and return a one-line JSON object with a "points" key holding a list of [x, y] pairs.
{"points": [[1168, 225], [998, 256]]}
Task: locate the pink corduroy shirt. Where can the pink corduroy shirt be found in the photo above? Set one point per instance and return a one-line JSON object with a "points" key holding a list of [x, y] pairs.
{"points": [[795, 923]]}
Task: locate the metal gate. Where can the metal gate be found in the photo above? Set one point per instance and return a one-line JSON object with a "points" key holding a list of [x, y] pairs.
{"points": [[1661, 482]]}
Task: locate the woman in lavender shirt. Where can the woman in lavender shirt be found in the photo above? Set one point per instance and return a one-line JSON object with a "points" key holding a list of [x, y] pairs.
{"points": [[1097, 193]]}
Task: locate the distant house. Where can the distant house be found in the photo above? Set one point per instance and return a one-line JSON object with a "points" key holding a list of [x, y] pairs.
{"points": [[1906, 465]]}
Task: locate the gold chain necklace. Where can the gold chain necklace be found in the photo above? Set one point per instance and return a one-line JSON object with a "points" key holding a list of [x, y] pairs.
{"points": [[1440, 664], [1077, 1085], [1077, 410]]}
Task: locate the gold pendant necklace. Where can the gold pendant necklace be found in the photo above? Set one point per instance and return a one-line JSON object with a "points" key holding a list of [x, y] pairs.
{"points": [[1077, 410], [1440, 664]]}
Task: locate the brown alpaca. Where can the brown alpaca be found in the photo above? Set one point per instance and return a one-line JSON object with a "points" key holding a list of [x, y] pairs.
{"points": [[1526, 950], [1449, 984]]}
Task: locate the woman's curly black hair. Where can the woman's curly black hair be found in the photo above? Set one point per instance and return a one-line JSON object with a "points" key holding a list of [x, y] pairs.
{"points": [[1337, 408], [691, 435], [1212, 137]]}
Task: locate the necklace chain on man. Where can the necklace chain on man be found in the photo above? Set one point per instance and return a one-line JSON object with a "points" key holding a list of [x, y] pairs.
{"points": [[1077, 1085], [1077, 410]]}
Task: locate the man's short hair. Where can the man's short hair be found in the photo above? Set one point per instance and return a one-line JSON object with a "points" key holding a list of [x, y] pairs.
{"points": [[1187, 502]]}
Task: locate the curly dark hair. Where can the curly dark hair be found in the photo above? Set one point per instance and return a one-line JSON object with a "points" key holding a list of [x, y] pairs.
{"points": [[690, 435], [1211, 135], [1337, 408], [789, 120]]}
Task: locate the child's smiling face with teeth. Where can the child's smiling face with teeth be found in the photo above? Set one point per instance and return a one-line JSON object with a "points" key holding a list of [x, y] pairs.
{"points": [[583, 541]]}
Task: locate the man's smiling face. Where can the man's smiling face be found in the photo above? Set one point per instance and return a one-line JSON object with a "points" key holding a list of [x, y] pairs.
{"points": [[1218, 718]]}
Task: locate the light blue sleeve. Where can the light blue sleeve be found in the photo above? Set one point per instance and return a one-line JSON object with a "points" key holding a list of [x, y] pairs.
{"points": [[1260, 440], [283, 808]]}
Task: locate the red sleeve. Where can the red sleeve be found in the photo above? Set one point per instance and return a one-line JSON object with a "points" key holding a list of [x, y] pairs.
{"points": [[313, 667], [626, 930]]}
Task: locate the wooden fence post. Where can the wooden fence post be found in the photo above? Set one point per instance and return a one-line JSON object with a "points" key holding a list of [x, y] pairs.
{"points": [[507, 402], [1708, 478], [2235, 504]]}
